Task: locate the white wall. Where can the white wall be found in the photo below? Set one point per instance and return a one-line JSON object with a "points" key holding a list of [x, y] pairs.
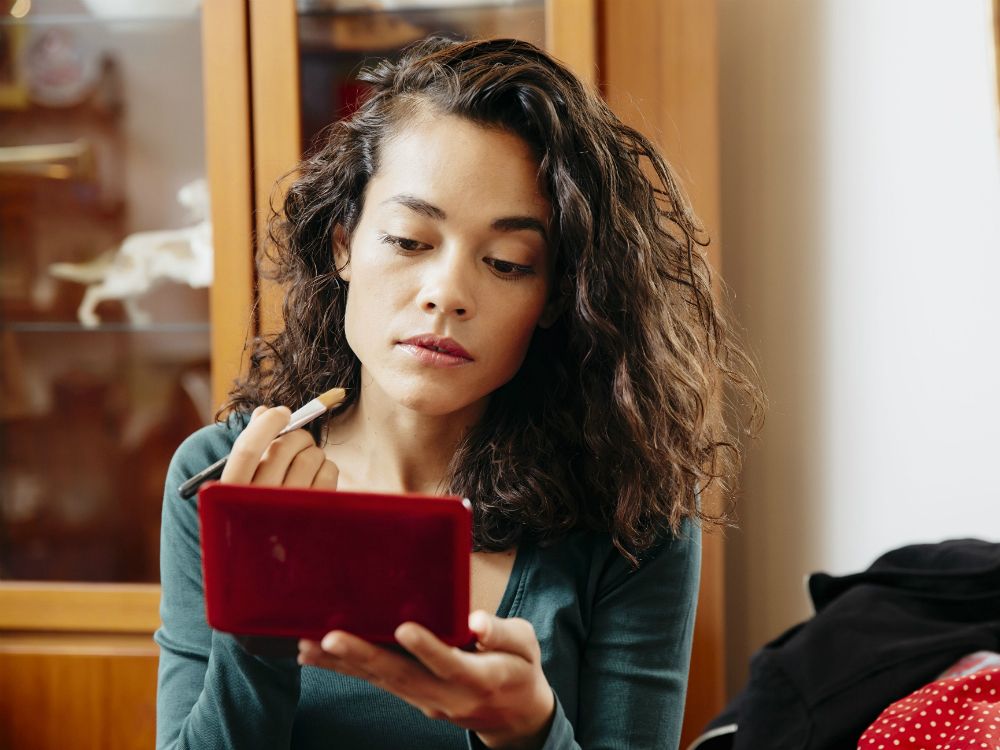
{"points": [[861, 236]]}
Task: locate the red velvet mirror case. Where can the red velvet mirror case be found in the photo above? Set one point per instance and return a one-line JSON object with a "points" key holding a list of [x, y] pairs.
{"points": [[299, 562]]}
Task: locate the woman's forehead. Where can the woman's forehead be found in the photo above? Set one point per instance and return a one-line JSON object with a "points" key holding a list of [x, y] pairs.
{"points": [[451, 159]]}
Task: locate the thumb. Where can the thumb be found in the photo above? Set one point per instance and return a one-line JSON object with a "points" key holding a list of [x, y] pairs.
{"points": [[512, 635]]}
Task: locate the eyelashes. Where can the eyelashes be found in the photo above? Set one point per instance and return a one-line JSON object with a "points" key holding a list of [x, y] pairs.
{"points": [[508, 269], [401, 243], [503, 268]]}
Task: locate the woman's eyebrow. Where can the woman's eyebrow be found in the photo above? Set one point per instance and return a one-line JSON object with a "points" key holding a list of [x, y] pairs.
{"points": [[419, 205], [517, 223], [505, 224]]}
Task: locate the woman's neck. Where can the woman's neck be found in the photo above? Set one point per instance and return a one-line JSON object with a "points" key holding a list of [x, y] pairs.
{"points": [[382, 446]]}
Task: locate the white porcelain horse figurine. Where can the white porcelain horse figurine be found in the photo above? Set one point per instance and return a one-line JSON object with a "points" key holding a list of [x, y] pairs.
{"points": [[146, 259]]}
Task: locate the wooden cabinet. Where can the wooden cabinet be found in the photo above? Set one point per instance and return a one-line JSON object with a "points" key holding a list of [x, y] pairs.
{"points": [[98, 134], [77, 664]]}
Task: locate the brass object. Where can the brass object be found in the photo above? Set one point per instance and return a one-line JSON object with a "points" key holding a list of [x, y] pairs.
{"points": [[57, 161]]}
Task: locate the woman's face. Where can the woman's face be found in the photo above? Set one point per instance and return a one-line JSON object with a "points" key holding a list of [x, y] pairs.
{"points": [[453, 243]]}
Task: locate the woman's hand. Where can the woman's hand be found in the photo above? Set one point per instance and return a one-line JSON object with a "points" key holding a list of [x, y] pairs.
{"points": [[259, 456], [499, 692]]}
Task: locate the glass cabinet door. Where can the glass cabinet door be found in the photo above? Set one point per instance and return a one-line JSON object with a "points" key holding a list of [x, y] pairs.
{"points": [[338, 37], [105, 266]]}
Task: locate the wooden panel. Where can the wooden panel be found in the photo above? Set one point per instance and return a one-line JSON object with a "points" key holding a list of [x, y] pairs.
{"points": [[228, 153], [707, 687], [84, 701], [276, 130], [571, 35], [78, 644], [659, 72], [689, 98], [83, 607]]}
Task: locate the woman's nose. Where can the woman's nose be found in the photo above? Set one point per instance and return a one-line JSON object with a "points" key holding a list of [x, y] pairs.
{"points": [[448, 286]]}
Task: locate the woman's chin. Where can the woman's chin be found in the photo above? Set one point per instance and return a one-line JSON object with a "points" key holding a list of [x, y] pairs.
{"points": [[436, 402]]}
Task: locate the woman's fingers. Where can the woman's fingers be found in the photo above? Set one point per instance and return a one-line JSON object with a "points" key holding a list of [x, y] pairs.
{"points": [[305, 466], [312, 654], [311, 468], [440, 658], [327, 476], [260, 456], [512, 635], [453, 665], [264, 426], [486, 692], [401, 675], [279, 455]]}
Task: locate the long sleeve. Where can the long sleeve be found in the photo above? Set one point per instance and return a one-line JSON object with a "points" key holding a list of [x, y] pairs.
{"points": [[211, 692], [633, 676], [634, 667]]}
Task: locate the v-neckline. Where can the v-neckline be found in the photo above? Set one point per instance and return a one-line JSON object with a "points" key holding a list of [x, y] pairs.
{"points": [[512, 592]]}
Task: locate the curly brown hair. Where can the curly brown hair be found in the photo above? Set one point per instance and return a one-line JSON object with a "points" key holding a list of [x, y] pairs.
{"points": [[614, 421]]}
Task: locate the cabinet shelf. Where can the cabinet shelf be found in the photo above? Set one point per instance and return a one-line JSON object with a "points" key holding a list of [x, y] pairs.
{"points": [[77, 20], [71, 327], [319, 8]]}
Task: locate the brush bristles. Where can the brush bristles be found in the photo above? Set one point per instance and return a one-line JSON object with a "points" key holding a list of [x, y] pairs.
{"points": [[332, 397]]}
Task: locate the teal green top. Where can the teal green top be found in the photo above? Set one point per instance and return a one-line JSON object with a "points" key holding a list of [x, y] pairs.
{"points": [[615, 645]]}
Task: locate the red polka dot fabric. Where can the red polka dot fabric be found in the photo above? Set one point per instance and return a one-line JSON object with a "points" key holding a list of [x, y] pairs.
{"points": [[958, 713]]}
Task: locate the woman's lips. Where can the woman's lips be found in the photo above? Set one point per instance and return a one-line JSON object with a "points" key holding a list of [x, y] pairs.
{"points": [[436, 350], [433, 357]]}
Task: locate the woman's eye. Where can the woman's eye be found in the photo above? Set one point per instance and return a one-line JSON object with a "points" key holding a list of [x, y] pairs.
{"points": [[510, 270], [404, 244]]}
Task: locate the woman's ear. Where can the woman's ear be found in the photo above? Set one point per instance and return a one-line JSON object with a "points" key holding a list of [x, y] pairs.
{"points": [[551, 313], [557, 305], [341, 252]]}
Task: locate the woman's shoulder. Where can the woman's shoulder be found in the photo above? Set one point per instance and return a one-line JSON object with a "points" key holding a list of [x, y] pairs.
{"points": [[601, 543], [584, 582], [594, 554], [200, 449], [206, 446]]}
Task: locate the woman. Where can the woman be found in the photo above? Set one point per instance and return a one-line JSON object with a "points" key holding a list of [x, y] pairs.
{"points": [[520, 317]]}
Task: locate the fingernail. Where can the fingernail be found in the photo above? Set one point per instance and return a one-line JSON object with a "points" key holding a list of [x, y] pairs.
{"points": [[333, 646], [479, 621], [404, 633]]}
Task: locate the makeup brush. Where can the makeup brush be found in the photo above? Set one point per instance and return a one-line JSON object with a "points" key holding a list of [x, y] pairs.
{"points": [[300, 418]]}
